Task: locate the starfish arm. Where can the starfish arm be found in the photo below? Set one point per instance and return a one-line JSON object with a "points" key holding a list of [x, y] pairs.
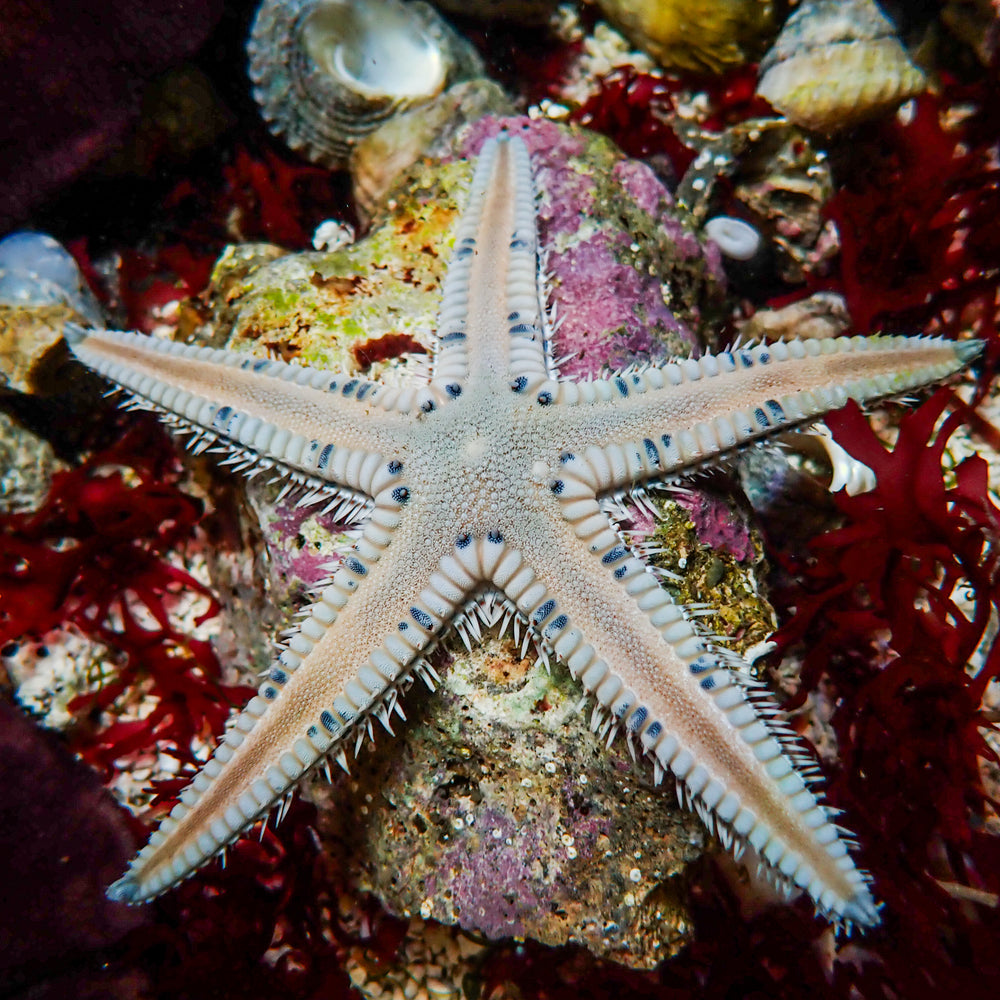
{"points": [[665, 422], [321, 429], [658, 680], [493, 284], [356, 650]]}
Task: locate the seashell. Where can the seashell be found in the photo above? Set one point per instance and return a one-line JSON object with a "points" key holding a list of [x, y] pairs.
{"points": [[40, 288], [790, 486], [332, 234], [736, 238], [821, 316], [711, 36], [328, 72], [846, 472], [816, 461], [747, 254], [36, 270], [385, 155], [835, 63]]}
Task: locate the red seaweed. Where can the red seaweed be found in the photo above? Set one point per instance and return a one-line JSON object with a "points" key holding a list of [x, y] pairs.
{"points": [[893, 605], [95, 556], [276, 198], [148, 282], [634, 109], [919, 243]]}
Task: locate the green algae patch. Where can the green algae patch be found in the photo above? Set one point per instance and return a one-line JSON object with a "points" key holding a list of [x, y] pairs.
{"points": [[711, 574]]}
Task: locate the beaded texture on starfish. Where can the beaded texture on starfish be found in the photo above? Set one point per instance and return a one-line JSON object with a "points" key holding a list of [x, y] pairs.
{"points": [[488, 478]]}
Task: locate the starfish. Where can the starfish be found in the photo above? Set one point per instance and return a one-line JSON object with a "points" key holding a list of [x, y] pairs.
{"points": [[488, 478]]}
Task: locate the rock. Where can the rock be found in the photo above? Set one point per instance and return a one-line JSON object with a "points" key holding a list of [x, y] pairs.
{"points": [[630, 280], [62, 839], [27, 463], [499, 811]]}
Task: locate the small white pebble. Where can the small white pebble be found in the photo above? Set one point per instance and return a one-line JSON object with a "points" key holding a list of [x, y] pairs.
{"points": [[635, 875]]}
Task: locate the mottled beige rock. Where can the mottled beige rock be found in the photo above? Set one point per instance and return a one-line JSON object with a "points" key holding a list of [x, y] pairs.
{"points": [[31, 345], [497, 809]]}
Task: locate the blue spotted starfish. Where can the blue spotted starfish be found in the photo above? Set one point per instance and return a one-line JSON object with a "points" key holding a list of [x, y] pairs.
{"points": [[488, 477]]}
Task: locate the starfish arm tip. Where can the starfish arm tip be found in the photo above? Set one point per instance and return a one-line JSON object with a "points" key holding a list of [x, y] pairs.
{"points": [[862, 911], [969, 350], [124, 890]]}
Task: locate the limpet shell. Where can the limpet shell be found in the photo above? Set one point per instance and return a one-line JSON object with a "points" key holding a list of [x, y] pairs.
{"points": [[835, 63], [328, 72]]}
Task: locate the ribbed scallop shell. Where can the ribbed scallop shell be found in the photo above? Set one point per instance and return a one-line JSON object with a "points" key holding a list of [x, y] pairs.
{"points": [[328, 72], [837, 62]]}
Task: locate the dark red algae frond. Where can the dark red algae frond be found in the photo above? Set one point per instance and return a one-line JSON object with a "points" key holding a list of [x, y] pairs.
{"points": [[149, 282], [276, 197], [634, 110], [893, 606], [95, 556], [917, 219]]}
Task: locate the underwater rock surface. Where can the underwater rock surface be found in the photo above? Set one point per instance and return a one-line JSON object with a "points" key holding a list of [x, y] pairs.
{"points": [[499, 811], [62, 838], [629, 280]]}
